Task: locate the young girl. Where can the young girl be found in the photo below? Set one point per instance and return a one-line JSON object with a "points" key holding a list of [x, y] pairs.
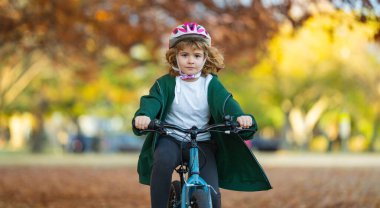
{"points": [[191, 94]]}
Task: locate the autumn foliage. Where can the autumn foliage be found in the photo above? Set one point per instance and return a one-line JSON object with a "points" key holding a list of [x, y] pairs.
{"points": [[77, 56]]}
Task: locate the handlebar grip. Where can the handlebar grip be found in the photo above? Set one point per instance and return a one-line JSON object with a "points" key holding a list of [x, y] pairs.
{"points": [[133, 123], [152, 125]]}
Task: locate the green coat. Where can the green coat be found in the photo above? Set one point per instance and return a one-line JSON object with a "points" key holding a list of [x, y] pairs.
{"points": [[238, 168]]}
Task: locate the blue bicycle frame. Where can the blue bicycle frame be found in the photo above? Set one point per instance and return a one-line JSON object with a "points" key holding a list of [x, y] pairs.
{"points": [[194, 181]]}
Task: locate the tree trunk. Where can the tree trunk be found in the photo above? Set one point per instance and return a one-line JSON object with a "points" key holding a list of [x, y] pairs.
{"points": [[285, 140], [375, 136], [302, 124], [38, 137]]}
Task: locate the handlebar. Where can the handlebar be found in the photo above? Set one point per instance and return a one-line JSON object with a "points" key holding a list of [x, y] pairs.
{"points": [[229, 126]]}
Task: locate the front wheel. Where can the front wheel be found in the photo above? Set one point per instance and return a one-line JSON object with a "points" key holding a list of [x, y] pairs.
{"points": [[175, 195], [200, 199]]}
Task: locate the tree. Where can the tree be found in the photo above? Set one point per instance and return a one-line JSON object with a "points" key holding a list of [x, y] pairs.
{"points": [[72, 36], [314, 69], [41, 35]]}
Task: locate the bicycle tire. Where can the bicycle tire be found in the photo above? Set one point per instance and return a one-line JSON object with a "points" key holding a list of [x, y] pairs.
{"points": [[175, 195], [199, 199]]}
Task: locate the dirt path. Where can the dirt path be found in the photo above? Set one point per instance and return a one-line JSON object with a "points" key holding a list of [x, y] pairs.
{"points": [[116, 186]]}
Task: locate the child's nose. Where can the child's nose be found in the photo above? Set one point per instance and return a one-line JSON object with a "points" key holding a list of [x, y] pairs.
{"points": [[191, 60]]}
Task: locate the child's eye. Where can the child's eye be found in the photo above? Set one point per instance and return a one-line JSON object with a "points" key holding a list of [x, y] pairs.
{"points": [[184, 55]]}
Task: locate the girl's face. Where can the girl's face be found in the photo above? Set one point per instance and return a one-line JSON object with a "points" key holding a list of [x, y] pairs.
{"points": [[190, 60]]}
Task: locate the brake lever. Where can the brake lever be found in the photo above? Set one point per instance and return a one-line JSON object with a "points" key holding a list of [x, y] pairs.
{"points": [[238, 130], [157, 126]]}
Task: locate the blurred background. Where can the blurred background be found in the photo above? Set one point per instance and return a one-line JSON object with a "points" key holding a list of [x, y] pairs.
{"points": [[72, 72]]}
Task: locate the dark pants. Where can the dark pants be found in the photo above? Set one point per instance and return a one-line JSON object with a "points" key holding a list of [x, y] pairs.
{"points": [[167, 156]]}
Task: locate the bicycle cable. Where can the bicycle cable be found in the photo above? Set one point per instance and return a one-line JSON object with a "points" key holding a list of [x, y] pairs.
{"points": [[184, 138]]}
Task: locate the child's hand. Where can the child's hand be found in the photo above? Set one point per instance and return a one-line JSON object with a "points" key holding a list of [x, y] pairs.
{"points": [[245, 121], [142, 122]]}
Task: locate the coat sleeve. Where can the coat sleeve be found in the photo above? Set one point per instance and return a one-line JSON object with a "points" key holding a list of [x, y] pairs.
{"points": [[233, 108], [222, 103], [150, 105]]}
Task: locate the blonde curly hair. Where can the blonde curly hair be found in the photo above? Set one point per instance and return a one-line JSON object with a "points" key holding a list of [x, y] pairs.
{"points": [[214, 62]]}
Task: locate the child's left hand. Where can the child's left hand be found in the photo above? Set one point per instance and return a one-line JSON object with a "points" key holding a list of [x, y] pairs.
{"points": [[245, 121]]}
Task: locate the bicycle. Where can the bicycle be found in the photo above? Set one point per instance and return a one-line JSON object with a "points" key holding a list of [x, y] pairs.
{"points": [[194, 191]]}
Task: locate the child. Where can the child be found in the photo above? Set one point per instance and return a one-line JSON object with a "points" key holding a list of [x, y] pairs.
{"points": [[191, 94]]}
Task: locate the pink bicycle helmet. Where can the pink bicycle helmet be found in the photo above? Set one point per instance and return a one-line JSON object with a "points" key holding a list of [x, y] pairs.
{"points": [[189, 30]]}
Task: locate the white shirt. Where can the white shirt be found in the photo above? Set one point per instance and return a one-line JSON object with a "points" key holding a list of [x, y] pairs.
{"points": [[190, 107]]}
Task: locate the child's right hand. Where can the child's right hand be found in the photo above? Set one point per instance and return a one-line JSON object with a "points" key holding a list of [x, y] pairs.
{"points": [[142, 122]]}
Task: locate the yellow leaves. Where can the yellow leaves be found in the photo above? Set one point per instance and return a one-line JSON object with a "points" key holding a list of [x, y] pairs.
{"points": [[262, 70], [358, 143], [331, 55], [91, 91], [114, 54], [319, 144], [102, 90], [140, 52], [324, 41], [122, 96], [298, 56]]}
